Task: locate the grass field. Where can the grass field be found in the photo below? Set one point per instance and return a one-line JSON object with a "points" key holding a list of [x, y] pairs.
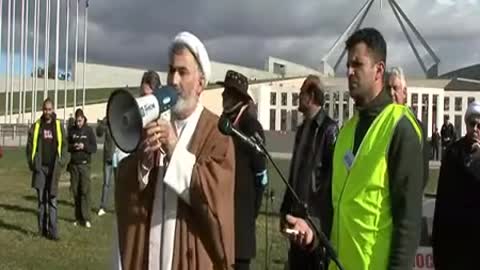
{"points": [[81, 248]]}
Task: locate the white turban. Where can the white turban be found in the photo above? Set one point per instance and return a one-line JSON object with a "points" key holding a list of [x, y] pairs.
{"points": [[198, 49], [473, 109]]}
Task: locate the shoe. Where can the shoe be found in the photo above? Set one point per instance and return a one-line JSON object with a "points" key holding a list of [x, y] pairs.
{"points": [[101, 212], [88, 224], [54, 238]]}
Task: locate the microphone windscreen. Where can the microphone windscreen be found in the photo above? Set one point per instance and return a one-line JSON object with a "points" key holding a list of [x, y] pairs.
{"points": [[224, 125]]}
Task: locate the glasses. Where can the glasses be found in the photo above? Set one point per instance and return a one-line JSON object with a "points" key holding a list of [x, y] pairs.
{"points": [[474, 124]]}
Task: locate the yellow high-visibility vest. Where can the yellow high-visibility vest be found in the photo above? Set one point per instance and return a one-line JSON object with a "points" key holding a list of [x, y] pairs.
{"points": [[36, 130], [362, 224]]}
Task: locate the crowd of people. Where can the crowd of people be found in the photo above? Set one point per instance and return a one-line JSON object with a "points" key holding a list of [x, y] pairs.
{"points": [[188, 198]]}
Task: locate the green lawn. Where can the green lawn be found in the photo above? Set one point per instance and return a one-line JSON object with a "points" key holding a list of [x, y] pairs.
{"points": [[81, 248]]}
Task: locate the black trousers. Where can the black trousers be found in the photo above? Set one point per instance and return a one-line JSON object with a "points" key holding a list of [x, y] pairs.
{"points": [[80, 187], [47, 206], [242, 264], [435, 152], [301, 259]]}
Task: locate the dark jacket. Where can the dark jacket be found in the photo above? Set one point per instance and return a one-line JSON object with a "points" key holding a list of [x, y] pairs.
{"points": [[448, 134], [35, 165], [108, 144], [83, 135], [312, 168], [456, 220], [248, 187], [405, 164]]}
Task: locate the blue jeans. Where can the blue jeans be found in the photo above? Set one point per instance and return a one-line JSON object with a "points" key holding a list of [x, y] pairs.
{"points": [[107, 180]]}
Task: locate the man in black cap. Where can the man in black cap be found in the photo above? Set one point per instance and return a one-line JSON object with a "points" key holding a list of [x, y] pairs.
{"points": [[250, 167]]}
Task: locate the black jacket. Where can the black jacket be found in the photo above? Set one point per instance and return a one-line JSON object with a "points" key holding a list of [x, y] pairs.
{"points": [[108, 144], [35, 165], [83, 135], [406, 161], [456, 220], [316, 171], [248, 188]]}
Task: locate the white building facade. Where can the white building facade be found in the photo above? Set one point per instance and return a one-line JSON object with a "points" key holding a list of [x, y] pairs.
{"points": [[430, 101]]}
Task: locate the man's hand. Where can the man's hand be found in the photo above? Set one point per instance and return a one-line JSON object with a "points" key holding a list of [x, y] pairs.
{"points": [[80, 146], [160, 135], [305, 235]]}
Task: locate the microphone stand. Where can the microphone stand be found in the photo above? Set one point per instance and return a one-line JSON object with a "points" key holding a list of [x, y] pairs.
{"points": [[323, 239]]}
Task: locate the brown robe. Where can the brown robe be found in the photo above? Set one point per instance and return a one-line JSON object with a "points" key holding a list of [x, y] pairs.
{"points": [[204, 233]]}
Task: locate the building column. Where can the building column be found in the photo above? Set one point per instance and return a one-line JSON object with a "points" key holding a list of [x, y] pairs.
{"points": [[430, 113], [440, 110], [340, 108], [464, 110], [332, 102]]}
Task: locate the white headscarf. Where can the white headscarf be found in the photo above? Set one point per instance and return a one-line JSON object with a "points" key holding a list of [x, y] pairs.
{"points": [[473, 109], [198, 49]]}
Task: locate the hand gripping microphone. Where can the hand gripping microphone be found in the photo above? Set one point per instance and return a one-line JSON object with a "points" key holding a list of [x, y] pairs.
{"points": [[127, 115]]}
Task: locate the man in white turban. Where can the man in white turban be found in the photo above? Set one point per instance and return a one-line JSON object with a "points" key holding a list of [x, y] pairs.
{"points": [[456, 220], [174, 196]]}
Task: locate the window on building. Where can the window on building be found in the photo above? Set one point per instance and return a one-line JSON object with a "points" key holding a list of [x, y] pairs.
{"points": [[283, 120], [470, 100], [279, 69], [414, 99], [294, 120], [458, 104], [273, 98], [284, 99], [295, 99], [272, 119], [446, 104]]}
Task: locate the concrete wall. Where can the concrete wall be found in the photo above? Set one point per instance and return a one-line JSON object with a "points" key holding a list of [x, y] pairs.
{"points": [[291, 69]]}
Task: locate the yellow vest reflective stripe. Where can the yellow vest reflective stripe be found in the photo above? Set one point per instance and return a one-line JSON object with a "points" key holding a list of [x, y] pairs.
{"points": [[362, 223], [36, 131]]}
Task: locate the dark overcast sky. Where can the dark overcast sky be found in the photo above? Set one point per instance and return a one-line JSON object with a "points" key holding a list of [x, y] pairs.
{"points": [[137, 32]]}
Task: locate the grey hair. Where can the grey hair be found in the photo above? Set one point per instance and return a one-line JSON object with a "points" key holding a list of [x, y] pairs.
{"points": [[397, 72], [178, 47]]}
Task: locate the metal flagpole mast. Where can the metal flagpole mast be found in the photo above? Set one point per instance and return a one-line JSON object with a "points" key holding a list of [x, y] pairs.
{"points": [[1, 19], [65, 99], [12, 67], [35, 58], [25, 61], [76, 61], [8, 51], [47, 49], [57, 36], [85, 52], [20, 78]]}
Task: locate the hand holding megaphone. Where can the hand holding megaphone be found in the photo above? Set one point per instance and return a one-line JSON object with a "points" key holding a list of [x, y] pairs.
{"points": [[128, 116]]}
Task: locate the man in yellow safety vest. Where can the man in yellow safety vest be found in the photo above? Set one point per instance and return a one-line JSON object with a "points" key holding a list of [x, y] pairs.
{"points": [[46, 151], [377, 170]]}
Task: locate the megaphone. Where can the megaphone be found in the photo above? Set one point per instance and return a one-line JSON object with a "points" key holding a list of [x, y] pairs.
{"points": [[127, 115]]}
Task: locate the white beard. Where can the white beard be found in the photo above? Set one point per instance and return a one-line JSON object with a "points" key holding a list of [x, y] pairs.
{"points": [[184, 104]]}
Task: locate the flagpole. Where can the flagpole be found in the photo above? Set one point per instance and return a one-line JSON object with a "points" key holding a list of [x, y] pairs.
{"points": [[57, 36], [65, 100], [20, 78], [85, 53], [1, 19], [8, 55], [25, 59], [12, 68], [47, 48], [35, 58], [76, 62]]}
